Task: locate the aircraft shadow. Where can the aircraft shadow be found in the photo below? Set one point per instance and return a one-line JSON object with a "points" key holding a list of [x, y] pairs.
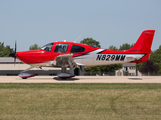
{"points": [[135, 78], [69, 79]]}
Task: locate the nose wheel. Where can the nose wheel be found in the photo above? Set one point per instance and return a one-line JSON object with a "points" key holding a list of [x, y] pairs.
{"points": [[26, 75]]}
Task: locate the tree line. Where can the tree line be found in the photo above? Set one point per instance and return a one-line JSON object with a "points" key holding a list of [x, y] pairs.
{"points": [[153, 65], [5, 50]]}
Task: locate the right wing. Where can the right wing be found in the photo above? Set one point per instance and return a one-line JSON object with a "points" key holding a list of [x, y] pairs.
{"points": [[65, 60]]}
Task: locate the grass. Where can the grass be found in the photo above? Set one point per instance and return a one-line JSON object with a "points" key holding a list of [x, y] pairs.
{"points": [[61, 101]]}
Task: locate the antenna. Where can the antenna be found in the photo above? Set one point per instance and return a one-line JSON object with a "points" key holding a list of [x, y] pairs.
{"points": [[78, 38]]}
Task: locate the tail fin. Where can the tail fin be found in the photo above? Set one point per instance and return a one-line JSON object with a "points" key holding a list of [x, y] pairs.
{"points": [[143, 44]]}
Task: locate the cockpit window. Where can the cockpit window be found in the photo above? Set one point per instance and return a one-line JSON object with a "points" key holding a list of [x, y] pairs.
{"points": [[47, 47], [76, 48], [61, 48]]}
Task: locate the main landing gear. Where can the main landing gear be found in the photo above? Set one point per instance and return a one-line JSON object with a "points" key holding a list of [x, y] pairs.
{"points": [[64, 74]]}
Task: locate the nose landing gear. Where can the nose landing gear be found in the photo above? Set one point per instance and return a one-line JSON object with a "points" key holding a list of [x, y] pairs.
{"points": [[26, 75]]}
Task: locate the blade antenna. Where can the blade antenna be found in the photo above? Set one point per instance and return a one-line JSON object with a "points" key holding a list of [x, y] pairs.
{"points": [[78, 38]]}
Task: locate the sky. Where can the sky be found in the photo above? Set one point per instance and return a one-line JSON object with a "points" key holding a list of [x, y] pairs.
{"points": [[111, 22]]}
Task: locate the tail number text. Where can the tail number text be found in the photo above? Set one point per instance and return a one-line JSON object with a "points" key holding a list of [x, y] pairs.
{"points": [[111, 57]]}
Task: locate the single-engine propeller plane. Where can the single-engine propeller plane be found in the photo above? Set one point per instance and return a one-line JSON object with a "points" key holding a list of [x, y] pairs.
{"points": [[75, 55]]}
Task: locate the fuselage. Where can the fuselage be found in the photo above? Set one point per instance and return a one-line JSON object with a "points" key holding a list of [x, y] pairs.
{"points": [[84, 55], [69, 54]]}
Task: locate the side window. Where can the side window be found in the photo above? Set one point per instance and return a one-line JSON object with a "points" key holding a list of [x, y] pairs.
{"points": [[61, 48], [76, 48]]}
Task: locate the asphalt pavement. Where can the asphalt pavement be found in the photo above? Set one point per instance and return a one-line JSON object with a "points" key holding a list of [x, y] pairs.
{"points": [[82, 79]]}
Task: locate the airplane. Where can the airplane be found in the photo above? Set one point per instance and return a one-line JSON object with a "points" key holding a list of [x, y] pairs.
{"points": [[73, 55]]}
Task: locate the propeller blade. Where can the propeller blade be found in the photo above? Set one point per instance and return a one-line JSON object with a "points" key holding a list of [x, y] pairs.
{"points": [[14, 61], [15, 46], [14, 54]]}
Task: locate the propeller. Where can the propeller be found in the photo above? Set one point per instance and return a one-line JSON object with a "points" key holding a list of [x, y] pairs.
{"points": [[14, 54]]}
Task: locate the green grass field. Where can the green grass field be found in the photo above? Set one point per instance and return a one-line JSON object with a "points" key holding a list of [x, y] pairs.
{"points": [[60, 101]]}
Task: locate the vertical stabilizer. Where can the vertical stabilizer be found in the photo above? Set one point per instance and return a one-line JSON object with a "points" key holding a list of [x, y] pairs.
{"points": [[144, 42], [143, 45]]}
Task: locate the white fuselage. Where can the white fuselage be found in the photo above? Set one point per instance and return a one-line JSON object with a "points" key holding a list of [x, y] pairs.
{"points": [[95, 59]]}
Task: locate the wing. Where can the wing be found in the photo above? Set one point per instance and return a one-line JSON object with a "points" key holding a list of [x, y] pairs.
{"points": [[65, 60]]}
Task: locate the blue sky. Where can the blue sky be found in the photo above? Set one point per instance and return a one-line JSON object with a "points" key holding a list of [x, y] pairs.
{"points": [[111, 22]]}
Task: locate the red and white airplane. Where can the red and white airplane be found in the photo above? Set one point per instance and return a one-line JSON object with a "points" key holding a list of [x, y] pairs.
{"points": [[75, 55]]}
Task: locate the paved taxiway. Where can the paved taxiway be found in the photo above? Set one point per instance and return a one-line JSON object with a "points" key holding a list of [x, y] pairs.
{"points": [[83, 79]]}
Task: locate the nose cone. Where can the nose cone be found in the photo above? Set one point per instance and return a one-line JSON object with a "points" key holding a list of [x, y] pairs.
{"points": [[24, 56], [29, 57]]}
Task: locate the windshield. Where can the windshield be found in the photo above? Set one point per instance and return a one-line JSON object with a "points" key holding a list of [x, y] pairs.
{"points": [[47, 47]]}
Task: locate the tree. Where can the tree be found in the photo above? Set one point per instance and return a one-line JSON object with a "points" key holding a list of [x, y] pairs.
{"points": [[159, 68], [126, 46], [92, 69], [5, 51], [156, 57], [112, 48], [94, 43], [91, 42], [110, 68], [34, 47], [149, 66]]}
